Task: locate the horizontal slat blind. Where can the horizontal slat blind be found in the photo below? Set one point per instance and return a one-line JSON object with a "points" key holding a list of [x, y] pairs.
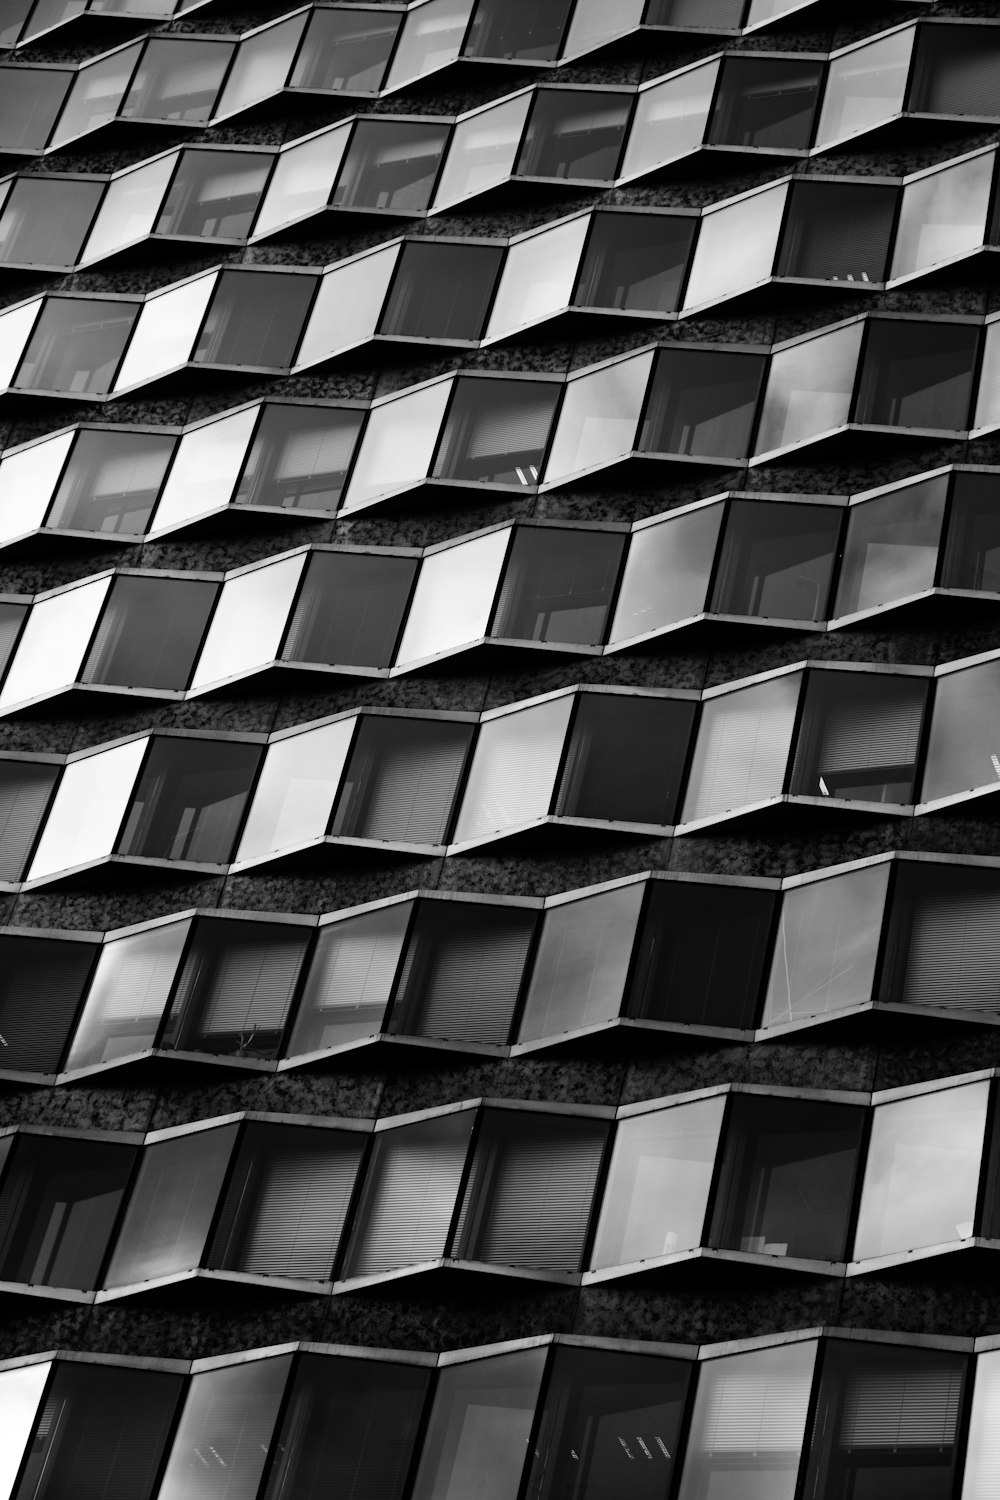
{"points": [[515, 428], [222, 1440], [742, 748], [41, 984], [514, 770], [894, 1408], [238, 977], [301, 1194], [24, 796], [876, 731], [462, 974], [954, 950], [350, 978], [129, 994], [982, 1459], [403, 787], [578, 977]]}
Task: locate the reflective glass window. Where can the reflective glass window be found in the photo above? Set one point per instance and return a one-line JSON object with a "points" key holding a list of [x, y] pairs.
{"points": [[765, 102], [129, 207], [230, 1415], [483, 149], [497, 430], [480, 1424], [299, 458], [558, 585], [441, 291], [574, 134], [128, 994], [695, 13], [430, 39], [177, 79], [350, 979], [582, 962], [943, 947], [625, 758], [859, 737], [972, 550], [865, 86], [96, 94], [599, 416], [702, 402], [149, 632], [401, 781], [350, 609], [45, 221], [666, 573], [12, 617], [517, 28], [25, 792], [189, 800], [32, 98], [515, 766], [809, 387], [345, 49], [777, 560], [943, 215], [741, 752], [538, 276], [214, 194], [670, 119], [453, 600], [955, 71], [635, 261], [390, 166], [837, 231], [41, 985], [917, 374], [892, 546], [237, 331], [982, 1456], [76, 345], [963, 745], [13, 22]]}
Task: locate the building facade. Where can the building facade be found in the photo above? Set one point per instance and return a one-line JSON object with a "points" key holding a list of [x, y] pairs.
{"points": [[499, 736]]}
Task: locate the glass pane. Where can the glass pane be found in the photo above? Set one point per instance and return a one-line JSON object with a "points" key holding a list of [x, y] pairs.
{"points": [[595, 23], [53, 641], [28, 477], [208, 461], [658, 1183], [31, 101], [558, 585], [345, 49], [20, 1393], [581, 964], [865, 86], [742, 748], [236, 331], [128, 996], [516, 761], [249, 621], [809, 389], [149, 632], [96, 95], [300, 457], [777, 560], [261, 65], [670, 119], [666, 573], [190, 799], [574, 134], [177, 80], [483, 149], [943, 215], [303, 179], [837, 231], [955, 71], [972, 550], [350, 979], [736, 247], [441, 291], [517, 28], [42, 982], [111, 481], [982, 1456], [25, 795], [859, 737], [944, 939], [702, 402], [294, 795], [480, 1425], [827, 946], [402, 780], [696, 13], [87, 809], [635, 261], [922, 1172], [892, 546], [350, 609], [76, 346], [390, 166], [432, 37], [766, 102], [453, 599], [625, 759], [45, 222], [167, 327], [599, 417], [964, 742], [229, 1414], [497, 431], [398, 445], [214, 194], [917, 375], [130, 206], [538, 276]]}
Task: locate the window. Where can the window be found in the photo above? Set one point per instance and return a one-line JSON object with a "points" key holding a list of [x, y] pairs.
{"points": [[962, 745], [299, 458], [972, 552], [955, 71], [190, 799], [42, 981], [865, 86], [635, 261], [128, 995], [45, 220], [390, 166], [581, 966], [741, 750], [765, 102], [350, 979], [32, 98], [574, 134], [777, 560], [809, 388], [517, 29], [917, 375], [149, 632], [111, 481], [480, 1423], [727, 14], [625, 759], [943, 215], [25, 792], [230, 1413], [558, 586], [96, 95], [702, 402], [76, 345], [496, 431], [441, 291], [892, 544], [514, 769], [177, 80], [346, 50], [236, 333], [214, 194], [859, 737], [943, 949], [837, 231], [350, 609], [401, 780], [666, 574]]}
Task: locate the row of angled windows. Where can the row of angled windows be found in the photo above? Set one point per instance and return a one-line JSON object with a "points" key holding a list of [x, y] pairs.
{"points": [[571, 588], [821, 1182], [706, 957], [828, 1414], [775, 103]]}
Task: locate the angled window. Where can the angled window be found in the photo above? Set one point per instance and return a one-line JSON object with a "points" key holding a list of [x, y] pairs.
{"points": [[955, 71], [177, 79], [865, 86], [892, 544], [943, 214], [238, 331], [972, 552], [943, 948], [574, 133], [391, 166], [299, 458], [111, 481], [625, 759], [440, 291], [350, 609], [496, 431], [635, 261], [727, 14], [42, 982], [962, 744], [401, 781], [350, 979], [702, 402], [809, 388], [190, 799], [581, 964], [25, 792], [666, 574], [917, 375], [480, 1423], [837, 231], [45, 221], [96, 94], [517, 29], [149, 632], [859, 737], [128, 994], [777, 560], [764, 101], [741, 751], [516, 762], [345, 50], [32, 98], [214, 194], [558, 586], [76, 345], [230, 1413]]}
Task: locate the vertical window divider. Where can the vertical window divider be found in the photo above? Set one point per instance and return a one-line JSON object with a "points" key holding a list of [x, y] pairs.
{"points": [[564, 35], [18, 638], [535, 1426], [63, 467], [533, 90], [615, 174], [352, 121], [319, 276], [530, 957], [715, 567], [236, 44], [470, 21], [295, 998], [353, 1204], [990, 1163], [557, 412], [96, 950], [977, 375], [248, 801], [140, 55], [812, 1413], [685, 281], [428, 212], [574, 300], [798, 721], [401, 960], [770, 953], [859, 370], [352, 746], [616, 586], [597, 1196], [471, 1150], [847, 512], [947, 520], [404, 616], [501, 579], [627, 1006], [911, 69], [119, 1218], [351, 465], [32, 849], [685, 770], [185, 953], [494, 291], [400, 242], [394, 48], [897, 214], [220, 584], [36, 1422], [265, 187], [556, 798], [171, 180], [251, 440], [965, 1414], [712, 1200], [92, 636], [461, 784], [923, 740], [310, 552], [43, 301], [857, 1190], [742, 465], [274, 1446], [297, 49], [993, 203], [210, 1251]]}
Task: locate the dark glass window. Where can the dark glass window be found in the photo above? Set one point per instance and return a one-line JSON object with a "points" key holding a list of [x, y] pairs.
{"points": [[626, 757], [531, 1190], [892, 545], [45, 221], [558, 586], [30, 100], [702, 403], [391, 165], [955, 71], [190, 799], [764, 101], [707, 13], [300, 457], [837, 231], [150, 631], [610, 1426], [58, 1205], [480, 1423], [25, 790], [777, 560], [345, 49], [350, 1430], [230, 1415], [76, 346], [886, 1423], [402, 779], [859, 737], [701, 954], [254, 318], [463, 970], [177, 79], [635, 261], [12, 617], [235, 988], [41, 985], [11, 26], [787, 1179], [943, 947], [517, 28], [100, 1432], [574, 134], [497, 431], [972, 551], [350, 609], [441, 291], [917, 374], [214, 193], [111, 481]]}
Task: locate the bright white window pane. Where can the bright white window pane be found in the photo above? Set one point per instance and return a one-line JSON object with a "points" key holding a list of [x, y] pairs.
{"points": [[514, 769], [988, 400], [398, 445], [165, 331], [482, 152], [809, 389], [347, 307], [205, 470], [89, 806], [27, 482], [303, 179], [864, 87], [670, 120], [598, 417], [742, 748], [963, 751], [55, 639], [982, 1458], [97, 92], [658, 1183], [922, 1172], [350, 979], [262, 65], [596, 22], [128, 995], [296, 790], [229, 1415], [943, 215], [666, 573], [20, 1393], [538, 277], [129, 209], [249, 621], [432, 37], [15, 326], [736, 247], [454, 597]]}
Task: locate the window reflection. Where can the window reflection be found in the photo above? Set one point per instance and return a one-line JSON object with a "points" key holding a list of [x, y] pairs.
{"points": [[76, 345], [666, 573], [517, 28], [111, 481], [765, 102], [943, 215], [580, 969], [777, 560], [441, 291], [214, 193], [497, 431], [190, 799], [177, 79], [972, 551], [865, 86], [390, 166], [238, 331], [345, 49], [480, 1424], [350, 979], [222, 1440], [809, 388], [702, 403], [635, 261], [859, 737], [129, 993], [149, 632], [917, 374], [892, 546], [558, 586], [44, 223], [401, 780], [574, 134], [300, 457], [837, 231]]}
